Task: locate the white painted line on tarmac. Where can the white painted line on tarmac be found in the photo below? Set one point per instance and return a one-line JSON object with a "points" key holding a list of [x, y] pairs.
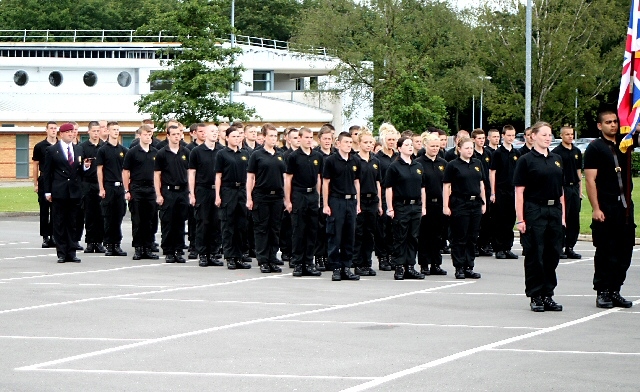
{"points": [[242, 375], [28, 257], [576, 261], [46, 283], [38, 366], [31, 272], [164, 299], [224, 302], [81, 272], [68, 338], [406, 324], [466, 353], [563, 351]]}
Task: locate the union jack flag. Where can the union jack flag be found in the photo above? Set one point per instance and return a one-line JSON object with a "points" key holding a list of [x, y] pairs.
{"points": [[629, 99]]}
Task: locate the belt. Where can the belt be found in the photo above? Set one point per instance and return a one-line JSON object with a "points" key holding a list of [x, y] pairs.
{"points": [[551, 202], [175, 187], [142, 183], [570, 183], [304, 190], [267, 192], [117, 183], [206, 186], [89, 181], [407, 201], [230, 184], [436, 200], [341, 196], [467, 197], [368, 195]]}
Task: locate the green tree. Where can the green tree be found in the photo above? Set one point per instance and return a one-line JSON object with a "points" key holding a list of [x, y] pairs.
{"points": [[200, 72], [274, 19]]}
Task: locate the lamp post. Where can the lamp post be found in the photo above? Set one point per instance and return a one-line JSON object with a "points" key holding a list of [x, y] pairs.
{"points": [[575, 122], [233, 40], [473, 112], [482, 95]]}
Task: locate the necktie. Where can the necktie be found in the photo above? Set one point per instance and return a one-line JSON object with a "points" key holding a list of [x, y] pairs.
{"points": [[69, 156]]}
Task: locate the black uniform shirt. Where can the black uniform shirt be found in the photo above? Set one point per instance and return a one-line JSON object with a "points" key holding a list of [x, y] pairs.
{"points": [[524, 149], [39, 151], [305, 168], [233, 165], [369, 175], [599, 156], [433, 171], [450, 154], [248, 148], [540, 176], [91, 151], [385, 161], [140, 163], [504, 163], [192, 145], [571, 163], [268, 169], [342, 174], [111, 158], [332, 151], [464, 177], [406, 179], [203, 160], [485, 159], [164, 143], [491, 149], [441, 154], [173, 167]]}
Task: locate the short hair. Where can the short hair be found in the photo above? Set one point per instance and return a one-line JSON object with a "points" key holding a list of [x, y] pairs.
{"points": [[407, 134], [93, 124], [326, 128], [567, 127], [172, 127], [230, 130], [237, 124], [110, 123], [353, 128], [493, 130], [604, 113], [147, 121], [267, 127], [527, 129], [462, 133], [343, 135], [51, 123], [193, 127], [291, 130], [441, 132], [463, 140], [476, 132], [305, 130], [537, 126], [506, 128], [144, 128]]}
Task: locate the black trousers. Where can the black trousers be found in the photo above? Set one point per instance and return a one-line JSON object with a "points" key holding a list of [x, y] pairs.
{"points": [[572, 204], [46, 213], [304, 226], [341, 232], [465, 227], [614, 240], [64, 226], [93, 220], [267, 218], [191, 227], [173, 214], [207, 229], [485, 236], [285, 234], [430, 237], [384, 233], [320, 248], [113, 210], [248, 239], [77, 234], [142, 207], [366, 224], [233, 216], [544, 238], [406, 229], [504, 214]]}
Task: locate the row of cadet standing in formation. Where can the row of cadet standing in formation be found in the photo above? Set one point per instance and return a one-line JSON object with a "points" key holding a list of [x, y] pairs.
{"points": [[329, 207]]}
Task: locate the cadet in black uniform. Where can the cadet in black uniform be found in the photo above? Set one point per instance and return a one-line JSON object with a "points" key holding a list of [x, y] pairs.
{"points": [[493, 139], [231, 197], [384, 232], [301, 198], [110, 159], [572, 167], [612, 222], [404, 183], [170, 180], [340, 192], [540, 216], [292, 139], [137, 175], [502, 193], [265, 192], [198, 136], [486, 228], [202, 196], [325, 148], [430, 237], [39, 150], [370, 205], [528, 142], [463, 200], [452, 153], [93, 220]]}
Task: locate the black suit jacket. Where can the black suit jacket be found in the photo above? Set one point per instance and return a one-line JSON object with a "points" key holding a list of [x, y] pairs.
{"points": [[60, 178]]}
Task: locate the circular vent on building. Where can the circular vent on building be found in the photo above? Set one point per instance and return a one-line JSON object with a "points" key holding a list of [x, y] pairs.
{"points": [[20, 78], [55, 78], [90, 78], [124, 79]]}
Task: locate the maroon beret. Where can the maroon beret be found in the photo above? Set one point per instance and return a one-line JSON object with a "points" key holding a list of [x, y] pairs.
{"points": [[66, 127]]}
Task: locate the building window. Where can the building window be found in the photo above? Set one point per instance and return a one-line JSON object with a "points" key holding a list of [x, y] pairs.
{"points": [[124, 79], [22, 156], [313, 83], [90, 78], [55, 78], [20, 78], [162, 84], [299, 84], [262, 80]]}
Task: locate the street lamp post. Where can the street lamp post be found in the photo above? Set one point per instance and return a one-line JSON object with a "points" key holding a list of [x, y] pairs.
{"points": [[575, 122], [473, 111], [233, 40], [482, 95]]}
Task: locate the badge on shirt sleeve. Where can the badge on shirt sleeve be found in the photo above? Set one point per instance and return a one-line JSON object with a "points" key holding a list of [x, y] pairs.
{"points": [[184, 157], [154, 158], [441, 167], [419, 171], [477, 168], [315, 162], [355, 168], [244, 158], [515, 157], [486, 159], [576, 156], [375, 166], [557, 163], [279, 158], [121, 154]]}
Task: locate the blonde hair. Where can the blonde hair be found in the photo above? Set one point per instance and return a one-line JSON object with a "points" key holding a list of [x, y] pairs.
{"points": [[364, 131], [387, 128], [429, 137]]}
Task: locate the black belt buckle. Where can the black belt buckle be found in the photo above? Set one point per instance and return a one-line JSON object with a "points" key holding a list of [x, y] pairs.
{"points": [[472, 198]]}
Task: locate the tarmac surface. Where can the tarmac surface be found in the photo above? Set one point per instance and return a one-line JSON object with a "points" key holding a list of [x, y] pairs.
{"points": [[114, 324]]}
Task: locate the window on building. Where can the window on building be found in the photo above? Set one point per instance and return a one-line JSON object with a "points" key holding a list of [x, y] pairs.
{"points": [[262, 80], [90, 78], [124, 79], [313, 83], [299, 84], [22, 156], [162, 84], [127, 139], [21, 78]]}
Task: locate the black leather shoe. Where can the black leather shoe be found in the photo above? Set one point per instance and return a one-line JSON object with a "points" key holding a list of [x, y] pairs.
{"points": [[619, 301], [231, 264], [279, 262], [246, 258], [109, 250], [179, 258], [311, 270], [147, 254], [99, 248], [469, 273], [425, 271], [571, 254], [137, 254], [536, 304], [91, 248], [241, 264], [45, 242], [603, 300], [336, 276], [264, 268], [203, 262], [117, 251], [446, 250], [500, 255], [214, 262], [563, 256], [61, 260], [371, 271], [74, 260], [460, 273], [551, 305], [297, 270], [320, 266], [399, 274], [485, 252], [274, 267], [348, 275], [384, 263], [155, 248], [436, 270], [411, 273], [170, 259], [77, 246], [361, 271], [193, 255], [510, 255]]}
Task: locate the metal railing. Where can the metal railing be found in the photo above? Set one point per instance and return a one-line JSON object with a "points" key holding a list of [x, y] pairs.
{"points": [[133, 36]]}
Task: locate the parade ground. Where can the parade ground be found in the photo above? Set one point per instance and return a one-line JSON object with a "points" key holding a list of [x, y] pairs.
{"points": [[114, 324]]}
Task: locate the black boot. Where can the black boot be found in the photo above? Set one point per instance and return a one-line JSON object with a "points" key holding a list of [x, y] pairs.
{"points": [[411, 273], [436, 270], [297, 270], [571, 254], [264, 268], [311, 270], [147, 254], [179, 258], [320, 264], [45, 241], [241, 264], [170, 259], [193, 254], [117, 251], [619, 301], [551, 305], [348, 275], [536, 304], [274, 267], [203, 261], [384, 263], [460, 273], [90, 248], [137, 254], [99, 248], [399, 274], [231, 264], [603, 300], [109, 250], [336, 276], [213, 261], [469, 273]]}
